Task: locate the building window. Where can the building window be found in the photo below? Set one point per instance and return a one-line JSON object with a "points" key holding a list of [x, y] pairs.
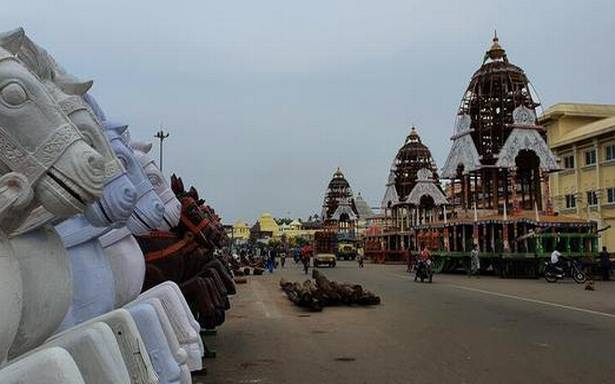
{"points": [[610, 195], [590, 157], [592, 198], [569, 161], [571, 201], [610, 152]]}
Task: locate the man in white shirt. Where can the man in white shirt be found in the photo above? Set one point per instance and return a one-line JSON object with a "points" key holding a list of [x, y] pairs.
{"points": [[555, 255], [556, 262]]}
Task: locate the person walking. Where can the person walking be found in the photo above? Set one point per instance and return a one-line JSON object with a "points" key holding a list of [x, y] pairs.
{"points": [[605, 264], [306, 263], [297, 254], [474, 261], [305, 258], [273, 255], [283, 258], [269, 261]]}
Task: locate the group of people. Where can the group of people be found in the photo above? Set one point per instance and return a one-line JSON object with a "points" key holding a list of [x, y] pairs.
{"points": [[299, 254]]}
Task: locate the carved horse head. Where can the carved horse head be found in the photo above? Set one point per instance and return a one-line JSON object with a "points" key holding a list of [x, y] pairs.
{"points": [[38, 141], [149, 211], [220, 234], [204, 227], [172, 206], [119, 195]]}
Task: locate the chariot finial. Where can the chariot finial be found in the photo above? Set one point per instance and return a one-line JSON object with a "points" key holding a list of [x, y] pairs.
{"points": [[496, 52]]}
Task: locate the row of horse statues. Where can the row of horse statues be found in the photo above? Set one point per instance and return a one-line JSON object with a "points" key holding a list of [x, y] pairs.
{"points": [[108, 272]]}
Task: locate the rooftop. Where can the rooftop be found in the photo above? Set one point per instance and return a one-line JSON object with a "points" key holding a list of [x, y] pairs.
{"points": [[577, 109], [596, 128]]}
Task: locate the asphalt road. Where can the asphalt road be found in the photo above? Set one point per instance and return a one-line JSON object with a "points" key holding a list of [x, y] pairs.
{"points": [[456, 330]]}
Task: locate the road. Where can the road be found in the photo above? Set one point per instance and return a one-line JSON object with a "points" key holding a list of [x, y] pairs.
{"points": [[456, 330]]}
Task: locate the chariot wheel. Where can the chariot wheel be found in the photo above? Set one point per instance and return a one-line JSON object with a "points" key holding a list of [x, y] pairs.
{"points": [[497, 267], [450, 265], [438, 264]]}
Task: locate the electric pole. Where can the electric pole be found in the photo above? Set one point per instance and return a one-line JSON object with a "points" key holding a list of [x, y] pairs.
{"points": [[161, 135]]}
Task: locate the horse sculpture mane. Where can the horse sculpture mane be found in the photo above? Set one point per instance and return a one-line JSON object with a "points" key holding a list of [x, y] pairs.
{"points": [[42, 64]]}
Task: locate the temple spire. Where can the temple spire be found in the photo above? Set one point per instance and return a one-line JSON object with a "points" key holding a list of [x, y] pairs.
{"points": [[496, 52], [413, 136]]}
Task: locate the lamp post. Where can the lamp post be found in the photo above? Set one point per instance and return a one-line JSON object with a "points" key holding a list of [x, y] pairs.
{"points": [[161, 135]]}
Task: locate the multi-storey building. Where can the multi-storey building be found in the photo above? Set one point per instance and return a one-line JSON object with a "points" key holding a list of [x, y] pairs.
{"points": [[583, 138]]}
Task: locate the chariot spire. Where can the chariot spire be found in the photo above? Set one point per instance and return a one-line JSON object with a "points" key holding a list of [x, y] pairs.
{"points": [[496, 52]]}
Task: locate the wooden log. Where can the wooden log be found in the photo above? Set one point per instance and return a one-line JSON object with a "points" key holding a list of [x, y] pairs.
{"points": [[322, 292]]}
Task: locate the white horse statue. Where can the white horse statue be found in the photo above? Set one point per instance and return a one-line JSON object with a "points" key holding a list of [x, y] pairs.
{"points": [[39, 263], [129, 265], [45, 161], [94, 348]]}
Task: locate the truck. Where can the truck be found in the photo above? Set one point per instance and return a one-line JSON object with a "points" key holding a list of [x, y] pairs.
{"points": [[346, 249], [325, 248]]}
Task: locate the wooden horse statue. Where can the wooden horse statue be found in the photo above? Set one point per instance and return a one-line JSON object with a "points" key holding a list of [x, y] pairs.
{"points": [[183, 254], [181, 320]]}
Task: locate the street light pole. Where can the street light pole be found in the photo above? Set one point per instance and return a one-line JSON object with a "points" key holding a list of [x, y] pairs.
{"points": [[161, 135]]}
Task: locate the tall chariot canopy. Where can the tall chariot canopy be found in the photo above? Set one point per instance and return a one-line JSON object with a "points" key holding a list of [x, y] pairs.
{"points": [[411, 158], [497, 142], [338, 193]]}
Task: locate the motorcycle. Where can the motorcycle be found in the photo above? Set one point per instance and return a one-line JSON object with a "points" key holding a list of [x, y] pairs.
{"points": [[571, 268], [423, 271]]}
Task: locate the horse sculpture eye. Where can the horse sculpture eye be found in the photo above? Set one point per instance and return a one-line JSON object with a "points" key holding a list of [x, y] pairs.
{"points": [[14, 94]]}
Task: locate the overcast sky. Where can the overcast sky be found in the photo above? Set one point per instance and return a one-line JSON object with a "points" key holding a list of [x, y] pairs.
{"points": [[264, 99]]}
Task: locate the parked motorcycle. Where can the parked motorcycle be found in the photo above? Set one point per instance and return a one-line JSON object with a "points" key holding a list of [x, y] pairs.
{"points": [[571, 268], [423, 271]]}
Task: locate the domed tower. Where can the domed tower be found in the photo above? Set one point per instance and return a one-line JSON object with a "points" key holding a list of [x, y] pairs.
{"points": [[408, 198], [498, 149], [411, 157], [338, 192], [413, 197]]}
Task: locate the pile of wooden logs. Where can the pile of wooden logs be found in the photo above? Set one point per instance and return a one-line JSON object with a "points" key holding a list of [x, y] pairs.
{"points": [[321, 292]]}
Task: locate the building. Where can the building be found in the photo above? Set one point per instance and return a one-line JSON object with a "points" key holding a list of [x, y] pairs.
{"points": [[582, 136], [265, 228], [240, 231], [295, 230]]}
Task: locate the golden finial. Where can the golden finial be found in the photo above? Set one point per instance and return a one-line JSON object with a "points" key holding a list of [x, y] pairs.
{"points": [[496, 52], [413, 135]]}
